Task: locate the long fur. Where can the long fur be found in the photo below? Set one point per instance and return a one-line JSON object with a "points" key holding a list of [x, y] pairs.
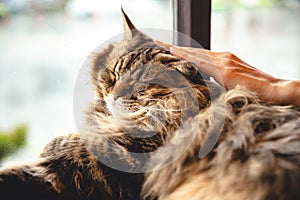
{"points": [[149, 101]]}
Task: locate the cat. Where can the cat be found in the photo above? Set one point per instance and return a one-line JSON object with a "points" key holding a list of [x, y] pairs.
{"points": [[148, 82], [257, 156], [151, 103]]}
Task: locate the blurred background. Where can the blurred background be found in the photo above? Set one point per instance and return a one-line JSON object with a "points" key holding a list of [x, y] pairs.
{"points": [[43, 44]]}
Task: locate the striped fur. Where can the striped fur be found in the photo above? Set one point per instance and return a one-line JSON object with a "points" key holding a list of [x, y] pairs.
{"points": [[142, 89]]}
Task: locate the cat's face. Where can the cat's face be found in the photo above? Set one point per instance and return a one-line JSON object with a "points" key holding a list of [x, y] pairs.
{"points": [[141, 81]]}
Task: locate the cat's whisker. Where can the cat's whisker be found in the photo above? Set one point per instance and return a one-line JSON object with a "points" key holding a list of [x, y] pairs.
{"points": [[125, 106], [137, 112], [168, 110], [153, 117], [128, 100], [149, 99], [132, 104]]}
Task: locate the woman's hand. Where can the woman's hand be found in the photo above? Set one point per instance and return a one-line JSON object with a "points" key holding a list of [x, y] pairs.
{"points": [[230, 71]]}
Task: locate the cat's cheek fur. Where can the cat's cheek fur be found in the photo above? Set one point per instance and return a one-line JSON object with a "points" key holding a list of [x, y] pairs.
{"points": [[110, 102]]}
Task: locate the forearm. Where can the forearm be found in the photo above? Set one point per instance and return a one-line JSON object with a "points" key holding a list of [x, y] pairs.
{"points": [[288, 92]]}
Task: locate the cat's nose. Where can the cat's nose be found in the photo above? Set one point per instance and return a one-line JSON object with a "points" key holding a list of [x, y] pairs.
{"points": [[122, 92], [117, 93], [116, 97]]}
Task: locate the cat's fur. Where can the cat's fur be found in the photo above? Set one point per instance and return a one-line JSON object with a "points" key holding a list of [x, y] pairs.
{"points": [[164, 98]]}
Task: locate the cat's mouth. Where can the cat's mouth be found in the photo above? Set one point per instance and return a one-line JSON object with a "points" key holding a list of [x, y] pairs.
{"points": [[118, 110], [109, 101], [129, 113]]}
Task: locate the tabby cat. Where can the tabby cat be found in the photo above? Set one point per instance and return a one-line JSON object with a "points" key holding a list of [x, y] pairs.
{"points": [[150, 103]]}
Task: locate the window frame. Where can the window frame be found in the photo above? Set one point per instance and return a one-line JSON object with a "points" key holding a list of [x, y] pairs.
{"points": [[193, 18]]}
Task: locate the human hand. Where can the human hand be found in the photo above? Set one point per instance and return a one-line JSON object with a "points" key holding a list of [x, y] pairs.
{"points": [[230, 71]]}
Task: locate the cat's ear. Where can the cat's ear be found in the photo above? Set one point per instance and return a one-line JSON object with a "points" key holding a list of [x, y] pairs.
{"points": [[128, 26], [130, 32]]}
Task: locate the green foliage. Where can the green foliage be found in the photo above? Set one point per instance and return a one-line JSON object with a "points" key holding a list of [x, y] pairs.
{"points": [[12, 141], [219, 5], [3, 10]]}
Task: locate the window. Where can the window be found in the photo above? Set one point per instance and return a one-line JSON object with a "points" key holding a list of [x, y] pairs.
{"points": [[43, 46], [264, 33], [192, 18]]}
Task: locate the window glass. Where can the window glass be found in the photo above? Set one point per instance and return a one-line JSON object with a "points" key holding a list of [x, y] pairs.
{"points": [[43, 44], [264, 33]]}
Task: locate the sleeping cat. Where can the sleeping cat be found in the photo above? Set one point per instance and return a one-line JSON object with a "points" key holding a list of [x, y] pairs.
{"points": [[150, 103]]}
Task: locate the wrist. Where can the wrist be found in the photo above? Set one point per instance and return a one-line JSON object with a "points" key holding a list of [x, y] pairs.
{"points": [[288, 92]]}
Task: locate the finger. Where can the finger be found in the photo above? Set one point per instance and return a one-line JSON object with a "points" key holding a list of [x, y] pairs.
{"points": [[190, 55], [196, 52], [185, 55], [168, 46], [205, 65], [165, 45]]}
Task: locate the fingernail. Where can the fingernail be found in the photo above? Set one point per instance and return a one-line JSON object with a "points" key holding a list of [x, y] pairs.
{"points": [[173, 49], [163, 44], [160, 43]]}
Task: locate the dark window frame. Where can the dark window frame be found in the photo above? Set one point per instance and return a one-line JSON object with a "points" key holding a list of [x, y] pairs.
{"points": [[193, 18]]}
